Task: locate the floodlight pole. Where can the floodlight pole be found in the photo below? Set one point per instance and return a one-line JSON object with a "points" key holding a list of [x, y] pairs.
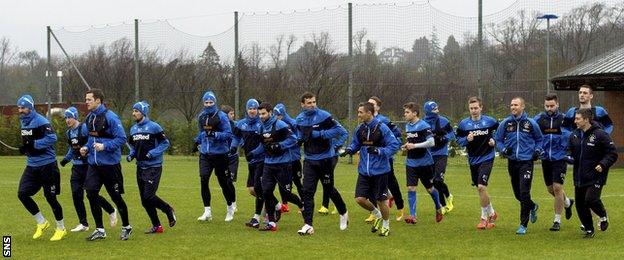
{"points": [[236, 76], [136, 60], [59, 74], [548, 17], [47, 74]]}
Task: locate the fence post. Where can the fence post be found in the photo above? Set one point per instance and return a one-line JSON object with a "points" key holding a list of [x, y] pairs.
{"points": [[350, 87], [48, 75], [136, 60], [236, 76], [480, 48]]}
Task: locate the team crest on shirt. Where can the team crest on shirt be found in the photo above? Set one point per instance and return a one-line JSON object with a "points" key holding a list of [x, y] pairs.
{"points": [[526, 126], [591, 140], [510, 127]]}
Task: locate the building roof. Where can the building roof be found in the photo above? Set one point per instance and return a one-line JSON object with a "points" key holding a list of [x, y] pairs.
{"points": [[604, 72]]}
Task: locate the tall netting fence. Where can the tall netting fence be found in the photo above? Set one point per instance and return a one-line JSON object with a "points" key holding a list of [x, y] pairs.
{"points": [[400, 52]]}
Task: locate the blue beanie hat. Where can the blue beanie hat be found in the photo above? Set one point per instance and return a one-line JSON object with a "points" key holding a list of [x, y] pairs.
{"points": [[252, 103], [26, 101], [71, 112], [430, 106], [209, 95], [279, 109], [142, 107]]}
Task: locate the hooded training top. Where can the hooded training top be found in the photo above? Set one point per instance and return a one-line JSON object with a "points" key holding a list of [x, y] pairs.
{"points": [[214, 129], [280, 110], [374, 134], [442, 133], [601, 119], [520, 134], [36, 129], [275, 131], [76, 138], [555, 142], [104, 126], [246, 133], [316, 129]]}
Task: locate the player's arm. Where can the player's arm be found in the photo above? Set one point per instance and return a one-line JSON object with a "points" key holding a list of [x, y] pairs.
{"points": [[334, 132], [226, 129], [49, 137], [462, 136], [537, 135], [355, 143], [118, 133], [450, 134], [499, 136], [609, 150], [392, 143], [163, 143], [603, 118]]}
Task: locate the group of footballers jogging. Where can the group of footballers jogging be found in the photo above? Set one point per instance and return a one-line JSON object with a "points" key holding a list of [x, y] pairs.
{"points": [[272, 142]]}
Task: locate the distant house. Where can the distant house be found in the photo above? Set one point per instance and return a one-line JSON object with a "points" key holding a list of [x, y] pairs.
{"points": [[392, 55]]}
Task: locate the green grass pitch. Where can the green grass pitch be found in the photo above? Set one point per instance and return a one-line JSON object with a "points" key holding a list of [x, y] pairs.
{"points": [[455, 237]]}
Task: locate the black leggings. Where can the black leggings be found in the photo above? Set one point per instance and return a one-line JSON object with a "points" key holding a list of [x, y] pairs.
{"points": [[587, 200], [32, 207]]}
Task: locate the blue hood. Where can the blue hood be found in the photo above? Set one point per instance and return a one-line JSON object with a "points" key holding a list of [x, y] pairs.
{"points": [[251, 103], [71, 112], [209, 95], [429, 107]]}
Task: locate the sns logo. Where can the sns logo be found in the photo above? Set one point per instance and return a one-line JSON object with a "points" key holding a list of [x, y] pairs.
{"points": [[412, 135], [140, 137], [480, 132], [6, 246], [27, 132]]}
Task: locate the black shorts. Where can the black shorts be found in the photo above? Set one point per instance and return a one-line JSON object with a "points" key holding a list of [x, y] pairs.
{"points": [[46, 176], [480, 173], [374, 187], [439, 167], [255, 172], [209, 162], [554, 171], [108, 175], [424, 173], [279, 174], [78, 177], [149, 176]]}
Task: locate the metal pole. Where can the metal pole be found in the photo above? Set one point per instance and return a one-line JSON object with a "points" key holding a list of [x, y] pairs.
{"points": [[68, 58], [236, 76], [48, 72], [60, 81], [480, 48], [136, 60], [547, 56], [350, 87]]}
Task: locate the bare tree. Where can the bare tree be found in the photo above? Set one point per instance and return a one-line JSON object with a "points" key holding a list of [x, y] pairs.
{"points": [[315, 60]]}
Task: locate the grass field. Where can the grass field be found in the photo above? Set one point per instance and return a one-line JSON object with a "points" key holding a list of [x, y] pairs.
{"points": [[454, 237]]}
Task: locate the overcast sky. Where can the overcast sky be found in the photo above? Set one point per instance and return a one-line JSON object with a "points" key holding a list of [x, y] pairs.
{"points": [[24, 21]]}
